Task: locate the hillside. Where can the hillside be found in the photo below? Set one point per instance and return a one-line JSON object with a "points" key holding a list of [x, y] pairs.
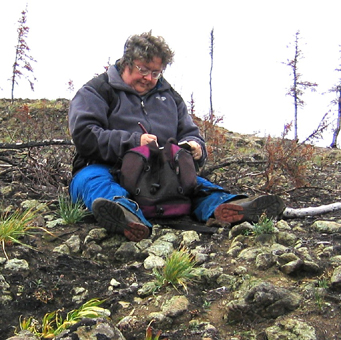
{"points": [[280, 285]]}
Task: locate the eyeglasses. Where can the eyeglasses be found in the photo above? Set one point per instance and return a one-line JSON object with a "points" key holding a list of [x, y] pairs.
{"points": [[145, 72]]}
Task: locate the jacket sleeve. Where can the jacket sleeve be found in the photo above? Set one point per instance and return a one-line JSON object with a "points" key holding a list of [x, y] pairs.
{"points": [[188, 131], [89, 128]]}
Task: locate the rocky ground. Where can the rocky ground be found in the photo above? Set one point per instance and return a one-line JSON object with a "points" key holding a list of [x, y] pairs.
{"points": [[286, 285]]}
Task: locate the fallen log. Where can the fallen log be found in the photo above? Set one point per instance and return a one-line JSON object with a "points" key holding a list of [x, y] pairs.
{"points": [[22, 145], [311, 211]]}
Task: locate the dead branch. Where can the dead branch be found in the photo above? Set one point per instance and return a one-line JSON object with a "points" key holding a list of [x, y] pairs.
{"points": [[208, 170], [35, 144], [311, 211]]}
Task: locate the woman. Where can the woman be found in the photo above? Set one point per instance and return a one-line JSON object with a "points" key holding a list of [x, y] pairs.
{"points": [[102, 133]]}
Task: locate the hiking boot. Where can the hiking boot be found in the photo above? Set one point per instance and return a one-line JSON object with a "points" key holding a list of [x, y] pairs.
{"points": [[117, 219], [250, 210]]}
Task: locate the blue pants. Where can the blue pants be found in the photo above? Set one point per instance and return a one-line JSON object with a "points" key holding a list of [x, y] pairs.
{"points": [[95, 181]]}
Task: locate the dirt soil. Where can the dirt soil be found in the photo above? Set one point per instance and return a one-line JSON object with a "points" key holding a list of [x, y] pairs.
{"points": [[49, 283]]}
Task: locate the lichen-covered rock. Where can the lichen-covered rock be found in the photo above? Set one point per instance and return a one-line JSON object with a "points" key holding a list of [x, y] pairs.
{"points": [[336, 278], [265, 301], [24, 335], [175, 306], [291, 329], [92, 329]]}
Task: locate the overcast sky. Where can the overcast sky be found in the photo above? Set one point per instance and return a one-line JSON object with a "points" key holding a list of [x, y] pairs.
{"points": [[73, 40]]}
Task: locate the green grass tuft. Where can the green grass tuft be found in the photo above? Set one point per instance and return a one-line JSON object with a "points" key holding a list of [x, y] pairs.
{"points": [[70, 212], [17, 225], [53, 323], [177, 271]]}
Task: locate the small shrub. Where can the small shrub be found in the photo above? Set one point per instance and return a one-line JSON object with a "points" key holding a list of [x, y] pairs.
{"points": [[286, 161], [215, 137], [265, 225]]}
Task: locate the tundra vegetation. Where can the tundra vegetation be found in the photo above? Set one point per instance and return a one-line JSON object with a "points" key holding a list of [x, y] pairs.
{"points": [[61, 276], [178, 284]]}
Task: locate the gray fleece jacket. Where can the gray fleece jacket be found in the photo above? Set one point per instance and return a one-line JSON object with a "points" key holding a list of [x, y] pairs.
{"points": [[103, 136]]}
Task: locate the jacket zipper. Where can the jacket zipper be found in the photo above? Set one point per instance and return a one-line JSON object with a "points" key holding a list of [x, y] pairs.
{"points": [[143, 108]]}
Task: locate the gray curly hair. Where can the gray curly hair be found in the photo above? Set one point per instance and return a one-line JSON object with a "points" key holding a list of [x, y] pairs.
{"points": [[145, 47]]}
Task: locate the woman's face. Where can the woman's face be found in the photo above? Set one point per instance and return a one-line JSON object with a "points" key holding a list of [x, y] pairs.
{"points": [[137, 80]]}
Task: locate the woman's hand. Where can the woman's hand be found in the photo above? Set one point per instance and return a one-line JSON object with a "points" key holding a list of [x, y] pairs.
{"points": [[146, 138], [196, 150]]}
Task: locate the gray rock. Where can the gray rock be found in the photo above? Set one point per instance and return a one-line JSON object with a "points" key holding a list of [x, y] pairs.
{"points": [[80, 294], [264, 300], [311, 267], [153, 261], [266, 239], [241, 229], [114, 283], [283, 225], [161, 248], [17, 265], [286, 238], [24, 335], [160, 319], [92, 329], [128, 250], [336, 278], [235, 249], [189, 237], [92, 249], [336, 260], [287, 257], [3, 284], [74, 244], [96, 234], [209, 275], [250, 254], [265, 261], [227, 280], [176, 306], [327, 227], [292, 267], [62, 249], [128, 322], [6, 190], [291, 329], [169, 237]]}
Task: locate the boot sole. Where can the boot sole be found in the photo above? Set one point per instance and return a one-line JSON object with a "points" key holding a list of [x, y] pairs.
{"points": [[111, 216], [272, 205]]}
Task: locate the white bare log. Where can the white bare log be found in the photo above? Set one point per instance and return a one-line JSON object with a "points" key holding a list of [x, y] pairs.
{"points": [[311, 211], [36, 144]]}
